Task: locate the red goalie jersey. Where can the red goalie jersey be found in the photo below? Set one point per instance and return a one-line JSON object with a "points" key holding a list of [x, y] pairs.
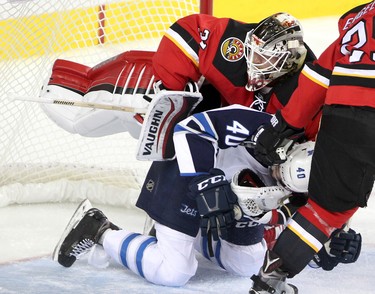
{"points": [[343, 74], [199, 45], [203, 45]]}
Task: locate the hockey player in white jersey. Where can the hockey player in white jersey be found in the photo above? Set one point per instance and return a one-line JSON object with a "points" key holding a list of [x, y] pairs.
{"points": [[169, 257], [233, 127]]}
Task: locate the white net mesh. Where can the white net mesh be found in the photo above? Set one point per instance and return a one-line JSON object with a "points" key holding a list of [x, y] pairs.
{"points": [[39, 161]]}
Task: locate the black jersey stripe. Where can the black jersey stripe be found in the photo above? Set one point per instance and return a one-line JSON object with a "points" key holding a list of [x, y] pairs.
{"points": [[186, 36], [310, 228], [362, 66], [319, 70], [339, 80], [364, 79]]}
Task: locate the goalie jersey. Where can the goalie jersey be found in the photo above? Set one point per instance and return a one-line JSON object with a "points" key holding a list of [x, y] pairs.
{"points": [[202, 45]]}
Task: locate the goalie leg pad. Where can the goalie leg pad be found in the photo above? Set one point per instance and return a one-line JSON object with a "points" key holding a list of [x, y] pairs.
{"points": [[70, 75], [98, 123], [64, 116], [88, 122], [67, 80], [122, 80]]}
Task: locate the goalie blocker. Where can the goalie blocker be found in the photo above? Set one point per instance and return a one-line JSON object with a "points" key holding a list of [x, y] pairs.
{"points": [[166, 109]]}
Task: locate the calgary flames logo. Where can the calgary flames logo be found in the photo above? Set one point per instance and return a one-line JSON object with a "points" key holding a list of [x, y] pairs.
{"points": [[232, 49]]}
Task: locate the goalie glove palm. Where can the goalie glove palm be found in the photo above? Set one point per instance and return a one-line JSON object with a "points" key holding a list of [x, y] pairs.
{"points": [[215, 202]]}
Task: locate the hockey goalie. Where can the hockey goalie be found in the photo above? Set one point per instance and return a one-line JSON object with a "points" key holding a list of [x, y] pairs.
{"points": [[125, 81]]}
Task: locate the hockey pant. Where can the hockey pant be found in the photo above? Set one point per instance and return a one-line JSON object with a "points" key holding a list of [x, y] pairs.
{"points": [[170, 258]]}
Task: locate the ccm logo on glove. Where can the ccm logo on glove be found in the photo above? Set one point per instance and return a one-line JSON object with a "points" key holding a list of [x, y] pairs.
{"points": [[213, 180]]}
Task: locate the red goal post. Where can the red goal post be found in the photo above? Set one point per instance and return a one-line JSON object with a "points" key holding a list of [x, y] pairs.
{"points": [[40, 162], [206, 7]]}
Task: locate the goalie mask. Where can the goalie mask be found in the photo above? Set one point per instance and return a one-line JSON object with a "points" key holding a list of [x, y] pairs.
{"points": [[294, 173], [274, 48]]}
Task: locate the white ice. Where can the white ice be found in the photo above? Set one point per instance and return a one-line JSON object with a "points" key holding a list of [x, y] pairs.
{"points": [[28, 234]]}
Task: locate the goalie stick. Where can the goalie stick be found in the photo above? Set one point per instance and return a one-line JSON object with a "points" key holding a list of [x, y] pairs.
{"points": [[78, 104]]}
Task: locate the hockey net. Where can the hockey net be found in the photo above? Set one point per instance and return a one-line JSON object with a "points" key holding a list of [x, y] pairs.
{"points": [[39, 162]]}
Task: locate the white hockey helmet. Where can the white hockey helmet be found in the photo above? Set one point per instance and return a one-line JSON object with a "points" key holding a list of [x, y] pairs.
{"points": [[275, 47], [294, 173]]}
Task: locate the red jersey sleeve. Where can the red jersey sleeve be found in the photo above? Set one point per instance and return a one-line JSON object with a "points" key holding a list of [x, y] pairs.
{"points": [[308, 98], [176, 60], [203, 45]]}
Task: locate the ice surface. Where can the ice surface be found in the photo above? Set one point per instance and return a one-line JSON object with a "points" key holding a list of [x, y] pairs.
{"points": [[28, 234]]}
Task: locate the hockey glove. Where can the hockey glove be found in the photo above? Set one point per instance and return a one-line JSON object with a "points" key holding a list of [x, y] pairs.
{"points": [[343, 247], [215, 202], [270, 140]]}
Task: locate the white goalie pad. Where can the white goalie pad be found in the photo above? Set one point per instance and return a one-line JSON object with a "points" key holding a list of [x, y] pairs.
{"points": [[88, 122], [256, 200], [166, 109], [118, 83]]}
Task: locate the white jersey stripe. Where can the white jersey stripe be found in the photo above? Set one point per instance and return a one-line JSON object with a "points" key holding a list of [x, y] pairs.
{"points": [[180, 42], [351, 72], [314, 76], [304, 235]]}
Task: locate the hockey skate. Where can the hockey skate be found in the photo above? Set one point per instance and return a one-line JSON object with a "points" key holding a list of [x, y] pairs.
{"points": [[83, 231], [273, 282]]}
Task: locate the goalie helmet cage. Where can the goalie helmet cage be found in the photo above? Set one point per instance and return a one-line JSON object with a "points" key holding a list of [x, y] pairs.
{"points": [[39, 162]]}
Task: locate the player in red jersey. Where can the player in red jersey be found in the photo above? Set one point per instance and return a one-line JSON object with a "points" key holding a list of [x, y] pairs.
{"points": [[343, 165]]}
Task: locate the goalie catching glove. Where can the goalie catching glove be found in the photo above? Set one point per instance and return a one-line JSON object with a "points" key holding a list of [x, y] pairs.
{"points": [[215, 202], [273, 141]]}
